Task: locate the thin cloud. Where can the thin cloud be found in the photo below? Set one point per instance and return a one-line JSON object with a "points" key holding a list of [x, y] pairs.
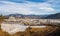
{"points": [[26, 8]]}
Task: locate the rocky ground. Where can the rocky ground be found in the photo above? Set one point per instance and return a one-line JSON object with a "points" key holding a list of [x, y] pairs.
{"points": [[48, 31]]}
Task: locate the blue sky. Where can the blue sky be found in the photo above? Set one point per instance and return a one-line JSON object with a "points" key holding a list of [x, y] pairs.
{"points": [[38, 7]]}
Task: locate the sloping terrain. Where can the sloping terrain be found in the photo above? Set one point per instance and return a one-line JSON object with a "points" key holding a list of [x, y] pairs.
{"points": [[49, 30], [53, 16]]}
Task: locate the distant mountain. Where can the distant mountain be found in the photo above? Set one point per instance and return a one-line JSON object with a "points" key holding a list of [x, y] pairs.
{"points": [[53, 16], [27, 16]]}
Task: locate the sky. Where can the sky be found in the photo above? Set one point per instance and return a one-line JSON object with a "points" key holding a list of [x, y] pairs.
{"points": [[37, 7]]}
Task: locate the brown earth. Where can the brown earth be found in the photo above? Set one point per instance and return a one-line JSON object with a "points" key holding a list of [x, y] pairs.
{"points": [[32, 32]]}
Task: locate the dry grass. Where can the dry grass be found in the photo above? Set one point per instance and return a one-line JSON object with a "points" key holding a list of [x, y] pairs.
{"points": [[32, 32], [41, 31], [2, 33]]}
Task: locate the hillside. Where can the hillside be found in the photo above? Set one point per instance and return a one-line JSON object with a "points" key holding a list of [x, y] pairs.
{"points": [[48, 31], [53, 16], [27, 16]]}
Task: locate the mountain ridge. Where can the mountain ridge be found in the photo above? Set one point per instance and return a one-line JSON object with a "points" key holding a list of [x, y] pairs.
{"points": [[53, 16], [27, 16]]}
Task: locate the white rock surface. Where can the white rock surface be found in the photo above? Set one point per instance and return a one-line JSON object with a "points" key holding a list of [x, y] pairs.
{"points": [[13, 28], [38, 26]]}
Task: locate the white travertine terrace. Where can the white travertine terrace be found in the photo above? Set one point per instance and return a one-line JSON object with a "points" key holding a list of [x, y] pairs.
{"points": [[37, 26], [14, 28], [13, 25], [13, 20]]}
